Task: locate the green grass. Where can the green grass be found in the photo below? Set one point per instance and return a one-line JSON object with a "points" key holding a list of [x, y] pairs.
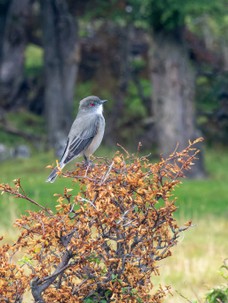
{"points": [[197, 198], [33, 173]]}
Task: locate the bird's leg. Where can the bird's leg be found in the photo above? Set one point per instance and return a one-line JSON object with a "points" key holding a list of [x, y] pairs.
{"points": [[87, 160], [88, 163]]}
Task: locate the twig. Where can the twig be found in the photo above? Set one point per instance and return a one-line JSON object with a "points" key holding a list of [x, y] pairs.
{"points": [[86, 200], [180, 294], [104, 178], [119, 145], [25, 197]]}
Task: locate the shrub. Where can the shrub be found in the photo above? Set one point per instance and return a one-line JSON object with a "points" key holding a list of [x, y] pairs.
{"points": [[104, 243], [220, 294]]}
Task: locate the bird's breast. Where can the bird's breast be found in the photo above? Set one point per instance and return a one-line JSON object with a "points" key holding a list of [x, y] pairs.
{"points": [[97, 138]]}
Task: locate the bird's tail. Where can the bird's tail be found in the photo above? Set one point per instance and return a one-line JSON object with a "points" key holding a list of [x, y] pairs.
{"points": [[53, 175]]}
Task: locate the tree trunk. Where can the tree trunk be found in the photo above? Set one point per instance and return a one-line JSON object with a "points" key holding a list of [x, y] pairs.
{"points": [[13, 41], [60, 59], [173, 94], [122, 71], [112, 72], [224, 48], [4, 8]]}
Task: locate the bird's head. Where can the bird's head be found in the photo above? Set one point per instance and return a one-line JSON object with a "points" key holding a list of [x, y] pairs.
{"points": [[91, 103]]}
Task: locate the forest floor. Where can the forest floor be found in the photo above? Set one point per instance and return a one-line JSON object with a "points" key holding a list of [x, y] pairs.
{"points": [[194, 266]]}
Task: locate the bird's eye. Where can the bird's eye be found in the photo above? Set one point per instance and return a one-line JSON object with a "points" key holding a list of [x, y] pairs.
{"points": [[92, 104]]}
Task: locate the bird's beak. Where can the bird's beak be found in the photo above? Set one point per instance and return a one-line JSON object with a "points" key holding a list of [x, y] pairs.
{"points": [[103, 101]]}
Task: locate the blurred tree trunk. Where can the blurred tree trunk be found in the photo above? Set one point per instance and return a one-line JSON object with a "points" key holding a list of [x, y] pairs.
{"points": [[13, 18], [60, 57], [109, 57], [121, 72], [224, 48], [4, 7], [173, 81]]}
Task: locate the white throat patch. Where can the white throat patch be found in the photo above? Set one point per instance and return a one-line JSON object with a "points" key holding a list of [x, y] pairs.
{"points": [[99, 109]]}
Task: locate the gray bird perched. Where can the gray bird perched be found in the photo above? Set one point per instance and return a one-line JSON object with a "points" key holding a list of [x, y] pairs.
{"points": [[85, 135]]}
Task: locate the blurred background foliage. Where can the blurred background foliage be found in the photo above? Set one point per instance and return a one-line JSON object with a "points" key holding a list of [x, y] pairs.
{"points": [[111, 50]]}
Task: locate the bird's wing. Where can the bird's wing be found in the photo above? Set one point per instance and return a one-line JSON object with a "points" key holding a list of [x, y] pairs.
{"points": [[77, 144]]}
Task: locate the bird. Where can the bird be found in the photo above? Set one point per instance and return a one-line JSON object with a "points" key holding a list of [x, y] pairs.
{"points": [[85, 135]]}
